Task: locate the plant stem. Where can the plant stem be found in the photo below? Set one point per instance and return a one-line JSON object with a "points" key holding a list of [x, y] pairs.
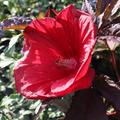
{"points": [[114, 64]]}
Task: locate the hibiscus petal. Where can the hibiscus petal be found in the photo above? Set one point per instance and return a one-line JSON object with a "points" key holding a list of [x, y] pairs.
{"points": [[57, 54], [80, 29]]}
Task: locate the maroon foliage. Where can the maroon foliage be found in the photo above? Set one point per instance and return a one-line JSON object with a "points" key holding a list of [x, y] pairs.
{"points": [[86, 105]]}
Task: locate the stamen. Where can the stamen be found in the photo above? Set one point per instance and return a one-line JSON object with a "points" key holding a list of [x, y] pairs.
{"points": [[70, 63]]}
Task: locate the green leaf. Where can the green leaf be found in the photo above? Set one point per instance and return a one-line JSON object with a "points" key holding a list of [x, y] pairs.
{"points": [[3, 118], [6, 101], [12, 43], [14, 96], [34, 105], [27, 112], [5, 61]]}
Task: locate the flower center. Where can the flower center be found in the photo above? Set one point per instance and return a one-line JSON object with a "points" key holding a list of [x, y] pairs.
{"points": [[70, 63]]}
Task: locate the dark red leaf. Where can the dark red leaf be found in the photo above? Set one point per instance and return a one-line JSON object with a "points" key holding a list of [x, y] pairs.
{"points": [[109, 9], [109, 89], [112, 41], [86, 105], [116, 20], [116, 7], [87, 7]]}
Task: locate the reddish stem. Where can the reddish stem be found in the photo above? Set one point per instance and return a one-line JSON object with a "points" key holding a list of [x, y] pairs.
{"points": [[114, 63]]}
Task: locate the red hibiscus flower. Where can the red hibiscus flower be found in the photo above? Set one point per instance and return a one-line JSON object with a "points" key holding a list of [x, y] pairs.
{"points": [[57, 54]]}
